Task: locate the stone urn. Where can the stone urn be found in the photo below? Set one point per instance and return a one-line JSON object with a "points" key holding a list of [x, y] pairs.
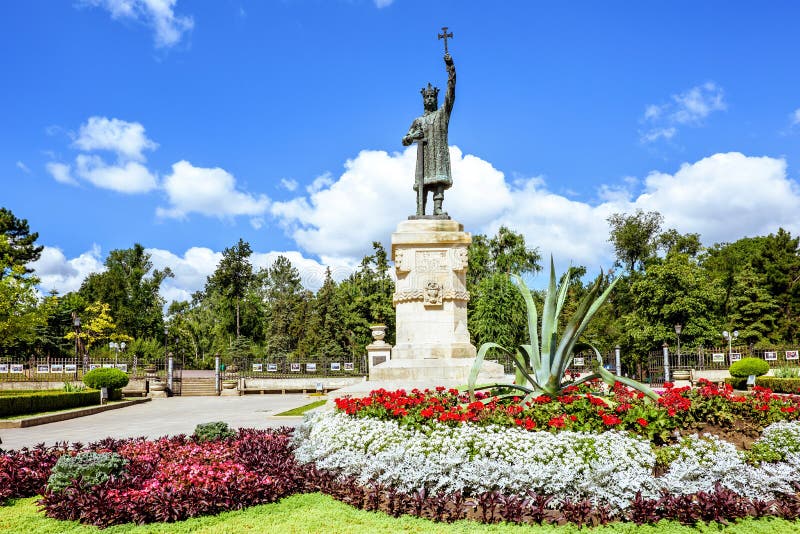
{"points": [[229, 384], [157, 389], [378, 333], [681, 374]]}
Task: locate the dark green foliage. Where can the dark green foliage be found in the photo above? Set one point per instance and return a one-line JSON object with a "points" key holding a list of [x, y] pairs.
{"points": [[496, 311], [213, 431], [779, 385], [737, 382], [45, 401], [635, 237], [130, 286], [17, 246], [233, 276], [91, 468], [749, 366], [106, 378]]}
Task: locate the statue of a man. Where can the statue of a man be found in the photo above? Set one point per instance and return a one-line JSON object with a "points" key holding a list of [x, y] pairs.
{"points": [[430, 130]]}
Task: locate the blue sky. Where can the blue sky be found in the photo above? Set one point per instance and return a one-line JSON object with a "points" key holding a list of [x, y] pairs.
{"points": [[186, 125]]}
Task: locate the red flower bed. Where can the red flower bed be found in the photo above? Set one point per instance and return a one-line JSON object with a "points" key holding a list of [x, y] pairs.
{"points": [[579, 409], [175, 478], [24, 473]]}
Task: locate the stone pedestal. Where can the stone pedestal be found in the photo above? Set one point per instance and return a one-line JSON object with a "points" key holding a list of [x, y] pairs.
{"points": [[431, 338]]}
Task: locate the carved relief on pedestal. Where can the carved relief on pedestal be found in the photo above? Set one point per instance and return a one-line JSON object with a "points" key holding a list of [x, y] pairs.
{"points": [[461, 259], [402, 261], [433, 294], [432, 261], [409, 295]]}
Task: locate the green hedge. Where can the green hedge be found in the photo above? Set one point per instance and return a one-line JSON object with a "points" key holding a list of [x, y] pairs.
{"points": [[779, 385], [15, 392], [46, 401]]}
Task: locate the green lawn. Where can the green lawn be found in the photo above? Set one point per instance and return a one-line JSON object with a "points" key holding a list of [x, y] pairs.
{"points": [[300, 410], [314, 513]]}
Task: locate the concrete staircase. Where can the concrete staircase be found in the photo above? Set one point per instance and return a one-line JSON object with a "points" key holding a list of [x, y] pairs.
{"points": [[197, 387]]}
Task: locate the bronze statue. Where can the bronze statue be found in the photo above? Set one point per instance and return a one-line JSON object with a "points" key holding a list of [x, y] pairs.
{"points": [[430, 133]]}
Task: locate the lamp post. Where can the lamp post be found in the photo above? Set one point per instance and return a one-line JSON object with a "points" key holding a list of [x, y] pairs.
{"points": [[678, 328], [730, 337], [76, 323], [166, 340], [117, 347]]}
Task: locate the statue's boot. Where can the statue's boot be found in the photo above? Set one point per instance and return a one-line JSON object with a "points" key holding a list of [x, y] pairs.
{"points": [[437, 206]]}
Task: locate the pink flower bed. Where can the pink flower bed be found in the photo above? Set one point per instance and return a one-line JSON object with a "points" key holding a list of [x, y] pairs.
{"points": [[175, 478]]}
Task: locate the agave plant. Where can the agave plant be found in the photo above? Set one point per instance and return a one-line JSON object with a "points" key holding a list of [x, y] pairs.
{"points": [[541, 364]]}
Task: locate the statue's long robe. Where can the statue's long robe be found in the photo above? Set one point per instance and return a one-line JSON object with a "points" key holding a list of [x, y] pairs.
{"points": [[434, 126]]}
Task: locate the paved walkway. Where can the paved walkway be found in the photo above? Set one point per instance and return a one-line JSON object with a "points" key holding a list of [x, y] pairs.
{"points": [[159, 417]]}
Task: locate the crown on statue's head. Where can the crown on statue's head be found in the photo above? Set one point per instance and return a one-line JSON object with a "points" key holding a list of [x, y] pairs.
{"points": [[430, 91]]}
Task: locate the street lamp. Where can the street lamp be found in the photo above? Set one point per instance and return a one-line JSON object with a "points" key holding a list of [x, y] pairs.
{"points": [[678, 328], [117, 347], [76, 322], [730, 338]]}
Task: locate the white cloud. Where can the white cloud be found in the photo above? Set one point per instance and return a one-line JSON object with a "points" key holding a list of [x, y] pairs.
{"points": [[198, 263], [383, 3], [340, 219], [208, 191], [158, 14], [289, 184], [61, 173], [795, 117], [58, 273], [130, 177], [723, 197], [126, 139], [24, 168], [689, 108]]}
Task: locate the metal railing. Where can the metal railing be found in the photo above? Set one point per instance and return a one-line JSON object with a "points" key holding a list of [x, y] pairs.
{"points": [[60, 369], [281, 367], [715, 358]]}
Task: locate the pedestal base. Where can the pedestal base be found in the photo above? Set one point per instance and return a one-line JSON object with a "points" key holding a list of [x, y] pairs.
{"points": [[432, 370]]}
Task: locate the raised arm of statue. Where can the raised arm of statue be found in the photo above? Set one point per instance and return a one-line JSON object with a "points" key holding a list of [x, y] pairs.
{"points": [[450, 95], [414, 133]]}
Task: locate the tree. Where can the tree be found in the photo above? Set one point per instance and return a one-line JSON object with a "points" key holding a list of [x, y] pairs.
{"points": [[233, 275], [779, 260], [285, 306], [635, 237], [130, 286], [98, 325], [491, 261], [366, 298], [17, 248]]}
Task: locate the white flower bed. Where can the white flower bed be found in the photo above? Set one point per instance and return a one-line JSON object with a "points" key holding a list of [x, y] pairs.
{"points": [[607, 468]]}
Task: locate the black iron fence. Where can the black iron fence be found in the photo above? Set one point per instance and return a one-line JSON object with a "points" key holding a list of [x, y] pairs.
{"points": [[281, 367], [60, 369], [582, 362], [714, 358]]}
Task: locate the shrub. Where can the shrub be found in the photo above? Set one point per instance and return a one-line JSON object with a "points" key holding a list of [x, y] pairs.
{"points": [[213, 431], [749, 366], [46, 401], [737, 383], [24, 472], [779, 385], [90, 468], [171, 479], [106, 378]]}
